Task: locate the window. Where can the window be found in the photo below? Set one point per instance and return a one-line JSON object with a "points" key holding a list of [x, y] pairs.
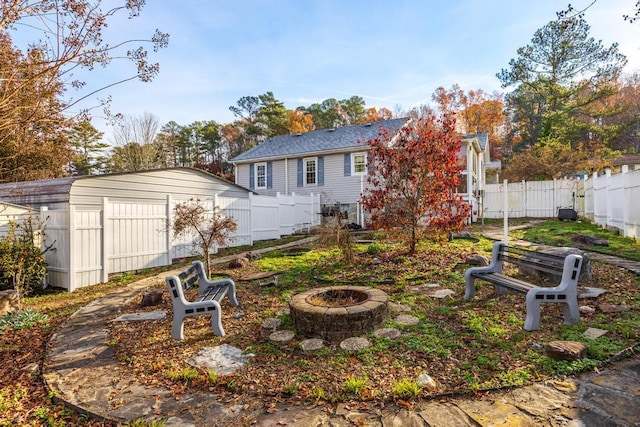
{"points": [[310, 172], [358, 163], [261, 175]]}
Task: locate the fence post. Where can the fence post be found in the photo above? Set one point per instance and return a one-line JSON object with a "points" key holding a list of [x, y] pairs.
{"points": [[251, 218], [106, 233], [505, 225], [71, 248], [525, 204], [169, 222]]}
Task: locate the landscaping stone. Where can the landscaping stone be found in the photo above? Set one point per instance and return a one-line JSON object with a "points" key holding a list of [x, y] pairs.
{"points": [[311, 344], [589, 240], [151, 298], [282, 336], [444, 414], [586, 309], [398, 308], [355, 343], [407, 319], [390, 333], [566, 350], [614, 308], [425, 381], [271, 323], [238, 262], [135, 317], [477, 260], [9, 301], [585, 292], [432, 290], [223, 359], [485, 412], [594, 333]]}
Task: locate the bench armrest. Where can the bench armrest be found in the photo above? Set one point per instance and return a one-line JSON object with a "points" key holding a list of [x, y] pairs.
{"points": [[205, 284]]}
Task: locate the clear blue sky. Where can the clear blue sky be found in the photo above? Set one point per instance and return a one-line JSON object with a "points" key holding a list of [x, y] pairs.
{"points": [[389, 52]]}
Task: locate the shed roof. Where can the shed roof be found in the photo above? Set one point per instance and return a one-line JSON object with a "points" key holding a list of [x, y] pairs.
{"points": [[318, 141], [57, 190]]}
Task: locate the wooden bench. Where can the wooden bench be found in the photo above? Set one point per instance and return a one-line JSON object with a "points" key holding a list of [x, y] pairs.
{"points": [[566, 292], [210, 293]]}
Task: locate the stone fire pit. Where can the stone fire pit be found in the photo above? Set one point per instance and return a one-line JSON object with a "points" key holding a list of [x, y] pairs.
{"points": [[335, 313]]}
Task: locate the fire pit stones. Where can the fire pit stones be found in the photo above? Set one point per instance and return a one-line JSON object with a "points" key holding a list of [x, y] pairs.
{"points": [[337, 312]]}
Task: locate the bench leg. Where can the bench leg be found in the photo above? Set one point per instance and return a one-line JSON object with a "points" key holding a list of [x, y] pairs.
{"points": [[177, 327], [571, 312], [231, 294], [216, 323], [469, 282], [532, 322]]}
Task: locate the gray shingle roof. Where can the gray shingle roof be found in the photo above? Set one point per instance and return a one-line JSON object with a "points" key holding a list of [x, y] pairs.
{"points": [[483, 139], [318, 141]]}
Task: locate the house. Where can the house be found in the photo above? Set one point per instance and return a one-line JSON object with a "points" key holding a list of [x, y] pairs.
{"points": [[104, 224], [332, 163]]}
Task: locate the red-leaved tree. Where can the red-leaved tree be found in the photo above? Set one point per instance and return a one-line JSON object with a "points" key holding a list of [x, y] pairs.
{"points": [[412, 177]]}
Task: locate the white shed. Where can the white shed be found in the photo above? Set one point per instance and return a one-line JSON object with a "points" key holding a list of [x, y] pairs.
{"points": [[113, 223]]}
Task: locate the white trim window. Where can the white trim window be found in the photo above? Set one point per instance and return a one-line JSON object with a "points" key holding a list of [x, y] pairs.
{"points": [[310, 171], [261, 175], [358, 163]]}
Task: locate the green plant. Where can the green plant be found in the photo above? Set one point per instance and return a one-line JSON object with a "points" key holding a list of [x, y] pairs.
{"points": [[318, 393], [290, 388], [185, 374], [145, 423], [212, 376], [406, 389], [22, 319], [22, 264], [355, 385], [374, 248]]}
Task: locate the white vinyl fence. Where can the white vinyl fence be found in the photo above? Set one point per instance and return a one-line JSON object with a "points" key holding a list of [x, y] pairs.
{"points": [[608, 200], [123, 236]]}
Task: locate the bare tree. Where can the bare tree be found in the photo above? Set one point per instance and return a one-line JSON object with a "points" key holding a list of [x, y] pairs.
{"points": [[210, 227], [134, 144]]}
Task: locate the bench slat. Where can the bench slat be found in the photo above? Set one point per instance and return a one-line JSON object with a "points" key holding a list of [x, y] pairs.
{"points": [[506, 281]]}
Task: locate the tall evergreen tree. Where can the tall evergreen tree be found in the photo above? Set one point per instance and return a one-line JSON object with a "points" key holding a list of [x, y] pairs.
{"points": [[87, 144]]}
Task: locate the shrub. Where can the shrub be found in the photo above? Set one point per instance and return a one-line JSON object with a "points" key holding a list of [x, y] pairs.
{"points": [[22, 319], [22, 263]]}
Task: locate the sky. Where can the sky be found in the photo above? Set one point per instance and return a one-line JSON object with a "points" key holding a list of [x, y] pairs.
{"points": [[394, 54]]}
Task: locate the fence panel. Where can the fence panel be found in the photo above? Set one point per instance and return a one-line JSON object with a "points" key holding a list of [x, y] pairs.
{"points": [[56, 236], [240, 211], [287, 214], [307, 212], [600, 200], [135, 236], [530, 199], [632, 205], [265, 217], [587, 210], [86, 247]]}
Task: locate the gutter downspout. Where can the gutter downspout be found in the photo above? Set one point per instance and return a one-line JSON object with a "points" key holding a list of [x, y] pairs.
{"points": [[286, 176]]}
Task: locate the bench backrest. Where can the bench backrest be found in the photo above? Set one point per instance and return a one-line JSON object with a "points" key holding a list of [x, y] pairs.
{"points": [[540, 261], [180, 283]]}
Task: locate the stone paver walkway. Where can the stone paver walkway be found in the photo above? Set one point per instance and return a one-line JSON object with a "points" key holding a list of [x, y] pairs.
{"points": [[81, 370]]}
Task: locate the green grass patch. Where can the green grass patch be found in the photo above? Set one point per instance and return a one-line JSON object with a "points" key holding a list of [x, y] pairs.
{"points": [[559, 233]]}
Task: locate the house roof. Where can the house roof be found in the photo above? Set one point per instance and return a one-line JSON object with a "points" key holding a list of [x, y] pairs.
{"points": [[483, 139], [346, 137]]}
